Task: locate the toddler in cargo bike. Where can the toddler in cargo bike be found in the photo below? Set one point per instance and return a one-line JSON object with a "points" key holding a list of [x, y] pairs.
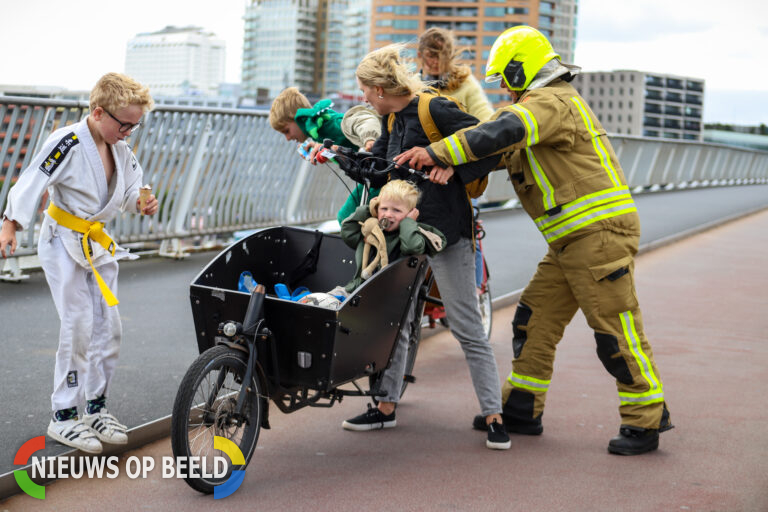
{"points": [[386, 229]]}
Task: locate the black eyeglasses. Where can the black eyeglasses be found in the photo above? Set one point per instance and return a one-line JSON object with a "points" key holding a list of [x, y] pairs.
{"points": [[124, 127]]}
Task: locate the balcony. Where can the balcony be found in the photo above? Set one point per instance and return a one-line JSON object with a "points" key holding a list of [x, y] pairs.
{"points": [[653, 108], [652, 121], [654, 80], [672, 110], [693, 99], [672, 123], [674, 96], [693, 112], [674, 83], [694, 86], [692, 125], [653, 94]]}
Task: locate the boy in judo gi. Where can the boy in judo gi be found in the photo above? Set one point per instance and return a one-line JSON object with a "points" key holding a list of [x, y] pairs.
{"points": [[91, 176]]}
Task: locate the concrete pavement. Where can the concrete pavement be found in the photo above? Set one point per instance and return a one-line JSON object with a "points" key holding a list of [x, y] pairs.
{"points": [[704, 304]]}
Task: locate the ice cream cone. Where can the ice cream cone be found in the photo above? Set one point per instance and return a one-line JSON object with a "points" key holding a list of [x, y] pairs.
{"points": [[144, 193]]}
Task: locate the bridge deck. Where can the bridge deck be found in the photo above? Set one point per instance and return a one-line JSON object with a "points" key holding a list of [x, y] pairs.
{"points": [[704, 302]]}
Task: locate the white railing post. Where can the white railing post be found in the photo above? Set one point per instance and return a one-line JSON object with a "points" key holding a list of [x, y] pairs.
{"points": [[172, 247]]}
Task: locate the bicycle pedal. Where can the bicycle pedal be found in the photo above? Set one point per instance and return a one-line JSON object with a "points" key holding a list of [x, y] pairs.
{"points": [[409, 378]]}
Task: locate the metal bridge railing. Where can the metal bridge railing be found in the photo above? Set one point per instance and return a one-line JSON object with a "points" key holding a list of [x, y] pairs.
{"points": [[219, 171]]}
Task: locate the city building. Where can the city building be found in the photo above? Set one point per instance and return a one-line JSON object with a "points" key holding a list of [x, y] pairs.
{"points": [[314, 45], [644, 104], [177, 61], [476, 25], [279, 45], [356, 43]]}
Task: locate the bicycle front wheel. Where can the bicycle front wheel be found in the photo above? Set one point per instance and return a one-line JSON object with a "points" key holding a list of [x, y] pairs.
{"points": [[206, 406]]}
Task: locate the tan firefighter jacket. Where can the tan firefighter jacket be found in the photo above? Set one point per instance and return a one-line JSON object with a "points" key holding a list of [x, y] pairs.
{"points": [[561, 163]]}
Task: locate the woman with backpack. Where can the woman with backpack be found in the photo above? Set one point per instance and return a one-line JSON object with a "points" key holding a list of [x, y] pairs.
{"points": [[397, 95]]}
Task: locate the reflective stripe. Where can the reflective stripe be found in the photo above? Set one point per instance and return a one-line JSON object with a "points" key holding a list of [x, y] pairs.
{"points": [[541, 180], [583, 203], [532, 127], [597, 143], [641, 398], [584, 211], [655, 393], [458, 156], [532, 383], [599, 212]]}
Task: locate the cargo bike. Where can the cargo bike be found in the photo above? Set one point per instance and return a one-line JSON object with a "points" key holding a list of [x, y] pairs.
{"points": [[257, 347]]}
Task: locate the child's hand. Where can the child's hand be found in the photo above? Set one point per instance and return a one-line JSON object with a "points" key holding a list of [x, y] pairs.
{"points": [[413, 214], [8, 237], [151, 207], [314, 149]]}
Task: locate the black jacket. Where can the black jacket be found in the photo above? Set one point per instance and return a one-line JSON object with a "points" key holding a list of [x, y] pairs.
{"points": [[445, 207]]}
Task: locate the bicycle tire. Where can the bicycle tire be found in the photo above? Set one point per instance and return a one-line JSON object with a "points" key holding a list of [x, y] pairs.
{"points": [[190, 407]]}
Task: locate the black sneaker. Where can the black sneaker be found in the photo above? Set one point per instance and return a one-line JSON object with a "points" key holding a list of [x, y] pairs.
{"points": [[634, 441], [497, 437], [533, 429], [372, 419]]}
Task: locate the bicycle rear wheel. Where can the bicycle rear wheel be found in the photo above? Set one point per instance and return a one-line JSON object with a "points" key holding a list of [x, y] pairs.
{"points": [[205, 407]]}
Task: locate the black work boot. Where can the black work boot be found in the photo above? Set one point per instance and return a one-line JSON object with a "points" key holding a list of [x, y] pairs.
{"points": [[634, 441]]}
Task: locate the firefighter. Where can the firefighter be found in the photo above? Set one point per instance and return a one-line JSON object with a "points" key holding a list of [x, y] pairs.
{"points": [[569, 181]]}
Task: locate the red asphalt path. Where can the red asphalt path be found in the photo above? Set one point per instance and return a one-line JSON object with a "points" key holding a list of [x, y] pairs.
{"points": [[705, 307]]}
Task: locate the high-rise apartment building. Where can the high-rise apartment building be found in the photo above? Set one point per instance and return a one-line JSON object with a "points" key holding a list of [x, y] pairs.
{"points": [[177, 61], [476, 25], [645, 104], [279, 46], [310, 44], [356, 43]]}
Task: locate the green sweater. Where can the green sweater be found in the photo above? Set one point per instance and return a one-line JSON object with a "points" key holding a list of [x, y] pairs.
{"points": [[407, 239]]}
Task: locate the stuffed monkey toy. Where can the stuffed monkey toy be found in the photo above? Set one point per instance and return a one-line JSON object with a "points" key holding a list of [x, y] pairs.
{"points": [[373, 236]]}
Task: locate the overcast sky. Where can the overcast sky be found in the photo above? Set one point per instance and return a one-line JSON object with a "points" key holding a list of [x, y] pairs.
{"points": [[71, 44]]}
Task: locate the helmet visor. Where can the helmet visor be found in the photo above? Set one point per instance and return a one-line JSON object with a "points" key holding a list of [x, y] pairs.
{"points": [[491, 79]]}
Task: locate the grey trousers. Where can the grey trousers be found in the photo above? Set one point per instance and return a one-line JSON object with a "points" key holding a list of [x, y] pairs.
{"points": [[454, 270]]}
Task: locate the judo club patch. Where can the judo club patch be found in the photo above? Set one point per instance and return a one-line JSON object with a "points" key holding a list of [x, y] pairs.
{"points": [[72, 379], [58, 153]]}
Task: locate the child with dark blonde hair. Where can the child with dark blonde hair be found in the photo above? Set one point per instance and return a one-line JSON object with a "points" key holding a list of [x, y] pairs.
{"points": [[92, 175]]}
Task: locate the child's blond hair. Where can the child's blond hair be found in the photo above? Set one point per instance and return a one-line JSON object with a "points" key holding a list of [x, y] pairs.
{"points": [[284, 107], [114, 91], [386, 68], [402, 191]]}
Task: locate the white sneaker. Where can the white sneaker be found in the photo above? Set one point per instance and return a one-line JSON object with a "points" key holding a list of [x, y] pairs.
{"points": [[106, 427], [74, 433]]}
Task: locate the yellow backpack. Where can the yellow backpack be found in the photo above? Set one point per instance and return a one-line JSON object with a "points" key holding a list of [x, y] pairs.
{"points": [[474, 188]]}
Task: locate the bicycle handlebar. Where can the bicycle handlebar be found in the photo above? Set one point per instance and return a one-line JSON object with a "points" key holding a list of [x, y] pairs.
{"points": [[360, 165]]}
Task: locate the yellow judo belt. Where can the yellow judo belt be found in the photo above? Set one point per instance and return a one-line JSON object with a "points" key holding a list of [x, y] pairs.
{"points": [[94, 231]]}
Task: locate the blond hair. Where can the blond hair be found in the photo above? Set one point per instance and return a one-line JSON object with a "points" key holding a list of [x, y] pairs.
{"points": [[401, 191], [387, 68], [114, 91], [439, 42], [284, 107]]}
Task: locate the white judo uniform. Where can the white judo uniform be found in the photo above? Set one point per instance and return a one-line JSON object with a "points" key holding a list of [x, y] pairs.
{"points": [[70, 167]]}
